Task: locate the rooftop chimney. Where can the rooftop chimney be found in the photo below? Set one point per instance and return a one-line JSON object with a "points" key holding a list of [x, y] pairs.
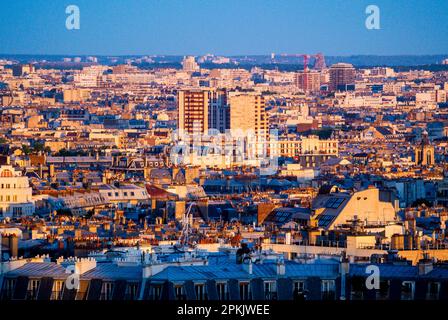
{"points": [[425, 265], [281, 268], [247, 265]]}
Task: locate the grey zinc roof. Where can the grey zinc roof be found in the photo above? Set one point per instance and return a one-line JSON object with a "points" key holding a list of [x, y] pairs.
{"points": [[39, 269], [386, 270], [438, 273], [112, 271], [234, 271], [201, 273]]}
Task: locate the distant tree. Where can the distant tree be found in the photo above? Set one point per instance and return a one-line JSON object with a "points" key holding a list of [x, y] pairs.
{"points": [[26, 149], [38, 146]]}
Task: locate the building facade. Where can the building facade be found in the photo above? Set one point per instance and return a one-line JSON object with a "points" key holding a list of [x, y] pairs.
{"points": [[15, 193]]}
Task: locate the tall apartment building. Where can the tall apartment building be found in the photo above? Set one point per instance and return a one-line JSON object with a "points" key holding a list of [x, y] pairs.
{"points": [[248, 112], [249, 122], [341, 75], [200, 110], [308, 81], [219, 112]]}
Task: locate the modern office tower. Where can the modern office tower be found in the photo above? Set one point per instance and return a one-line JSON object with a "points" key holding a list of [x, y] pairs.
{"points": [[341, 75], [189, 64], [308, 81], [200, 110]]}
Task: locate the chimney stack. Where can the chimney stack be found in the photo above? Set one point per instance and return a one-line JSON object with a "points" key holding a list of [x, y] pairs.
{"points": [[247, 266], [281, 268], [425, 265]]}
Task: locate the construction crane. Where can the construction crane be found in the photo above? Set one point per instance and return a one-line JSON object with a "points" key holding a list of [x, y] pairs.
{"points": [[305, 57], [186, 226]]}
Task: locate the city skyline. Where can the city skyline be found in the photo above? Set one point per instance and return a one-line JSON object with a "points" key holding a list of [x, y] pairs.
{"points": [[230, 153]]}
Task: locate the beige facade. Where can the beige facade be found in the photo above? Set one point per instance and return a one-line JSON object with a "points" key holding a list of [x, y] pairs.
{"points": [[248, 113], [76, 95], [248, 120], [311, 145], [15, 193], [371, 206]]}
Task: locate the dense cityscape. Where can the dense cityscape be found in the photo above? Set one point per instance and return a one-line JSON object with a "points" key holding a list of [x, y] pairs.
{"points": [[219, 178]]}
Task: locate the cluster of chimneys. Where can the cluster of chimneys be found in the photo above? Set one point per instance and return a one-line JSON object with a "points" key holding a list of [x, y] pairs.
{"points": [[82, 265], [10, 241], [280, 266]]}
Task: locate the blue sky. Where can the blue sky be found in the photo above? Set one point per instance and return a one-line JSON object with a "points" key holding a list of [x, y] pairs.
{"points": [[228, 27]]}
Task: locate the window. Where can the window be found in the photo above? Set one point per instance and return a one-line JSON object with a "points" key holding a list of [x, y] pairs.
{"points": [[244, 290], [433, 291], [8, 288], [328, 290], [132, 193], [82, 291], [106, 291], [324, 220], [179, 292], [407, 290], [299, 290], [58, 286], [200, 292], [17, 211], [33, 287], [270, 290], [334, 203], [14, 198], [222, 290], [156, 291], [299, 286], [132, 291]]}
